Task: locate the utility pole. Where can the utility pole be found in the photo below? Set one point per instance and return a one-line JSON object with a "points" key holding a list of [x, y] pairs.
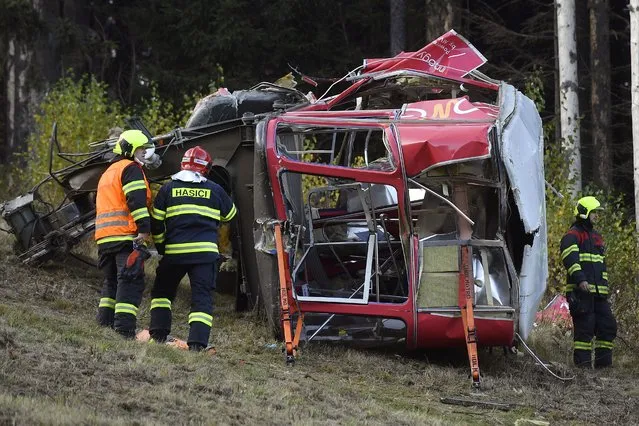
{"points": [[568, 85]]}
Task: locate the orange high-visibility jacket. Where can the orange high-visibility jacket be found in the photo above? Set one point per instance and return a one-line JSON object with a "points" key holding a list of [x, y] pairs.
{"points": [[113, 219]]}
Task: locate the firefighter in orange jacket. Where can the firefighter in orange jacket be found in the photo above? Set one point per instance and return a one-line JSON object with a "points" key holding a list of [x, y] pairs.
{"points": [[122, 220], [583, 254]]}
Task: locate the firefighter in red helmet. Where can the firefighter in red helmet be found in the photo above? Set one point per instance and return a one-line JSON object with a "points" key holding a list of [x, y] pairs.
{"points": [[184, 223]]}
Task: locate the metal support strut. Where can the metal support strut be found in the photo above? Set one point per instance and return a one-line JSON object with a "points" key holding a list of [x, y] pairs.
{"points": [[291, 340]]}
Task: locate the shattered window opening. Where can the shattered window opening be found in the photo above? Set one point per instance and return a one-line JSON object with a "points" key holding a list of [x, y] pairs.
{"points": [[351, 249], [359, 148], [472, 189], [479, 189], [439, 274]]}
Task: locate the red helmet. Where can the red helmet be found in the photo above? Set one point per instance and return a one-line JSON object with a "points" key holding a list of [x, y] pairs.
{"points": [[197, 160]]}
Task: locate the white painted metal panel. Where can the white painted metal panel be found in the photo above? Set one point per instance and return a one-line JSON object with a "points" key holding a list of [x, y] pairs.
{"points": [[522, 153]]}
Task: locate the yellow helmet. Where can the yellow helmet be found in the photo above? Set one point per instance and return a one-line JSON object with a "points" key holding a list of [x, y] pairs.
{"points": [[586, 205], [129, 141]]}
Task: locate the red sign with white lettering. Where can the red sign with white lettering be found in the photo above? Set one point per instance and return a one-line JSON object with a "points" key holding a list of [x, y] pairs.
{"points": [[450, 56]]}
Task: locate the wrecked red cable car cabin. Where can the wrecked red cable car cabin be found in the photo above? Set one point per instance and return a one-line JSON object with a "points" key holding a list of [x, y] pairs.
{"points": [[410, 205]]}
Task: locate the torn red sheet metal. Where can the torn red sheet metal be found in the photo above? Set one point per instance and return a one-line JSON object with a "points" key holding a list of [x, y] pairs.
{"points": [[449, 56], [556, 312]]}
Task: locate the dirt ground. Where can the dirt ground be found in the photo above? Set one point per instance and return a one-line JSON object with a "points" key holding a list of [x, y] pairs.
{"points": [[58, 367]]}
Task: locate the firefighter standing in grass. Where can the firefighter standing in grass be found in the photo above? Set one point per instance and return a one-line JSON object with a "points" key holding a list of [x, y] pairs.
{"points": [[122, 220], [583, 255], [185, 217]]}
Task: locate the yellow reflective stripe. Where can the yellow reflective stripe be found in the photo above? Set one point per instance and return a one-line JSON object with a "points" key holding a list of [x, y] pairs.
{"points": [[126, 308], [586, 346], [190, 248], [574, 268], [588, 257], [133, 186], [116, 238], [158, 239], [107, 302], [569, 250], [604, 344], [192, 209], [201, 317], [140, 213], [161, 302], [605, 275], [230, 215], [592, 288], [158, 214]]}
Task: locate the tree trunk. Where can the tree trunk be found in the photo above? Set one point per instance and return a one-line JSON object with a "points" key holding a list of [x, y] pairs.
{"points": [[441, 16], [600, 92], [634, 93], [569, 100], [19, 98], [28, 66], [397, 26]]}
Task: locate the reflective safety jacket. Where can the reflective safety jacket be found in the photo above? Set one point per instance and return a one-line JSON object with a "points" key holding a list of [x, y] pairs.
{"points": [[122, 204], [185, 218], [583, 254]]}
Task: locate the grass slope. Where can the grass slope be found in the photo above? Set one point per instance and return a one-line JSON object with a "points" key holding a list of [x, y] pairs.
{"points": [[58, 367]]}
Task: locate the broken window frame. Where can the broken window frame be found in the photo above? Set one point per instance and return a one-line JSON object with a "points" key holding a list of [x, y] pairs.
{"points": [[349, 145], [422, 181], [374, 223]]}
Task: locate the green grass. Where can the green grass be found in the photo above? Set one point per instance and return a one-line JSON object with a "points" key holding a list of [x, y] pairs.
{"points": [[58, 367]]}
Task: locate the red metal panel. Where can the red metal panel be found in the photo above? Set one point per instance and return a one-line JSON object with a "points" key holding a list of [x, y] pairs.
{"points": [[439, 331], [428, 146]]}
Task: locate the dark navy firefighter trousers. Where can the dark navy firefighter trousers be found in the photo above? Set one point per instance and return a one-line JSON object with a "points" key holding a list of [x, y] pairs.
{"points": [[202, 279], [120, 298]]}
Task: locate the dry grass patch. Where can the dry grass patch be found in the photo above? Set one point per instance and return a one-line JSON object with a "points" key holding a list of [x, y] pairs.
{"points": [[55, 360]]}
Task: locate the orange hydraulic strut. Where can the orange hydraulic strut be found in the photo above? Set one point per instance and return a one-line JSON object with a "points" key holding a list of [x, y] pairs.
{"points": [[291, 341], [468, 318], [466, 290]]}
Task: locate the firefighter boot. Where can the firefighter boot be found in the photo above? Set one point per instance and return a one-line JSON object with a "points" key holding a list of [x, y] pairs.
{"points": [[105, 317], [603, 354], [582, 354], [106, 312], [196, 347]]}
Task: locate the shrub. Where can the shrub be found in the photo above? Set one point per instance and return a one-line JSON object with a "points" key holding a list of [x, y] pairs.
{"points": [[84, 113]]}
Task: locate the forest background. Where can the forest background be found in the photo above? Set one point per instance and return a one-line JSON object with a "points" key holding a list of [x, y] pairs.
{"points": [[88, 64]]}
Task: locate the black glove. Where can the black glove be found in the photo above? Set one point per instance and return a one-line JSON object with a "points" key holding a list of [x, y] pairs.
{"points": [[134, 266], [579, 302]]}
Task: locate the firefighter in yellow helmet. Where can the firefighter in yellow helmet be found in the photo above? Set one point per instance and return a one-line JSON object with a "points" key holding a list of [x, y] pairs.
{"points": [[583, 254], [123, 221]]}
